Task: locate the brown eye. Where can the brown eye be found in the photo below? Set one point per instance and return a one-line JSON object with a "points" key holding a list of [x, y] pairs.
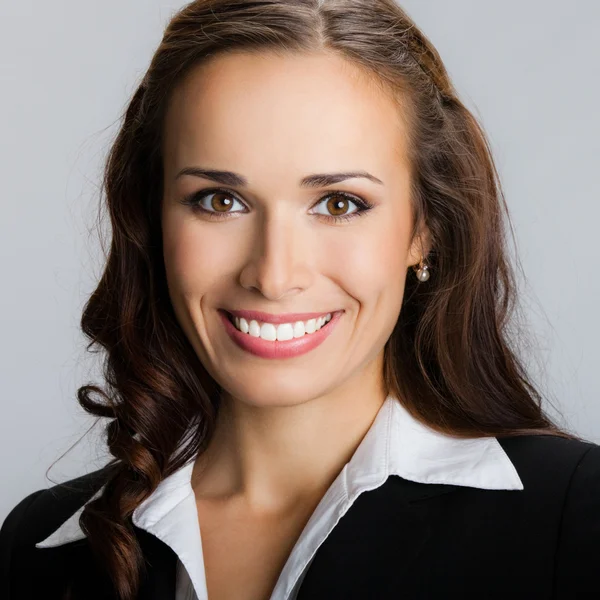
{"points": [[221, 202], [337, 205]]}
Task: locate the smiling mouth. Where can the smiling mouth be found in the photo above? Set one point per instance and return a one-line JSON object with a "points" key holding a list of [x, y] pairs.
{"points": [[231, 319]]}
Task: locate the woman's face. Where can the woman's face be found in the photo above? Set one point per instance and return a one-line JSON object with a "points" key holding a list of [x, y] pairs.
{"points": [[270, 244]]}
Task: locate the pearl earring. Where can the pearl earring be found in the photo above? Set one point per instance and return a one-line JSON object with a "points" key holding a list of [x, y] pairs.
{"points": [[422, 271]]}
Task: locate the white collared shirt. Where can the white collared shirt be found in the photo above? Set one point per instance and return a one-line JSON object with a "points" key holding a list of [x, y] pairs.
{"points": [[395, 444]]}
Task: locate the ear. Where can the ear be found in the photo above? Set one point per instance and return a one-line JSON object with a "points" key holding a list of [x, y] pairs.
{"points": [[420, 247]]}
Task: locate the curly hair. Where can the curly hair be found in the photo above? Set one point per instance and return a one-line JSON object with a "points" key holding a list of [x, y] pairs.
{"points": [[452, 356]]}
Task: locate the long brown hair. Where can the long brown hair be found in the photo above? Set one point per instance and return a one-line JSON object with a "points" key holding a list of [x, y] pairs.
{"points": [[452, 357]]}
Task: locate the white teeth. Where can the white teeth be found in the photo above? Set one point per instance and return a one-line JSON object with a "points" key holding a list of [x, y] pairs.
{"points": [[283, 331]]}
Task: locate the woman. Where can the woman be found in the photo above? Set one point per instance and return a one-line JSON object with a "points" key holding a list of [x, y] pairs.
{"points": [[310, 384]]}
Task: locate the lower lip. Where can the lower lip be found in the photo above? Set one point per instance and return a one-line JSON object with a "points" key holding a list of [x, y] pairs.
{"points": [[277, 349]]}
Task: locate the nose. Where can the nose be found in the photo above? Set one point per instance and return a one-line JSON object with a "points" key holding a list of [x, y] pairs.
{"points": [[278, 263]]}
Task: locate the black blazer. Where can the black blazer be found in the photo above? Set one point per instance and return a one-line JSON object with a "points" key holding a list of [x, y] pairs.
{"points": [[403, 540]]}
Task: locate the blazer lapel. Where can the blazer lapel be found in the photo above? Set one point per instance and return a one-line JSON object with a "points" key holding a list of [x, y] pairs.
{"points": [[377, 542], [159, 577], [77, 566]]}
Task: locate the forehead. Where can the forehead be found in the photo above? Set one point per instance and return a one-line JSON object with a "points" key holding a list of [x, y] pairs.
{"points": [[296, 112]]}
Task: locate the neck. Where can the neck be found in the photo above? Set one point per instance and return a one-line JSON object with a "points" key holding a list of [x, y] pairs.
{"points": [[270, 459]]}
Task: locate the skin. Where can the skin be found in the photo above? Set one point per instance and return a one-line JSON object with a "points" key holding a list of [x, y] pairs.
{"points": [[286, 427]]}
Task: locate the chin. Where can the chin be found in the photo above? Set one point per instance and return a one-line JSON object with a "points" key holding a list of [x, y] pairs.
{"points": [[272, 396]]}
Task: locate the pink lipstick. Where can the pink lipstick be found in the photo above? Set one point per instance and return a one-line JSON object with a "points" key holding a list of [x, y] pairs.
{"points": [[279, 349]]}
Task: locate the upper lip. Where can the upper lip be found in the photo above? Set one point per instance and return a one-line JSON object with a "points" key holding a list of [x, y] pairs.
{"points": [[264, 317]]}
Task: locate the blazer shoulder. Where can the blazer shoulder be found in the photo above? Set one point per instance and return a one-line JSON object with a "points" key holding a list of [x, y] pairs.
{"points": [[548, 460], [30, 572], [578, 551], [39, 513]]}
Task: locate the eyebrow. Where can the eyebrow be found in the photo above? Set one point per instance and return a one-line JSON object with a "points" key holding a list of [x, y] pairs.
{"points": [[310, 181]]}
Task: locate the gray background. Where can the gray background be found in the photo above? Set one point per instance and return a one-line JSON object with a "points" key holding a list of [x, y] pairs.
{"points": [[527, 68]]}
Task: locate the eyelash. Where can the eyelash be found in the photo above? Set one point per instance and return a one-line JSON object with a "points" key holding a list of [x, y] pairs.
{"points": [[194, 199]]}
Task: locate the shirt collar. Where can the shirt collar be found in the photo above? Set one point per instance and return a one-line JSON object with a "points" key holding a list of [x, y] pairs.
{"points": [[395, 444]]}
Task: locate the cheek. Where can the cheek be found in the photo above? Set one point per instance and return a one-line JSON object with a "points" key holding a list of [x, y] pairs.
{"points": [[192, 259], [372, 262]]}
